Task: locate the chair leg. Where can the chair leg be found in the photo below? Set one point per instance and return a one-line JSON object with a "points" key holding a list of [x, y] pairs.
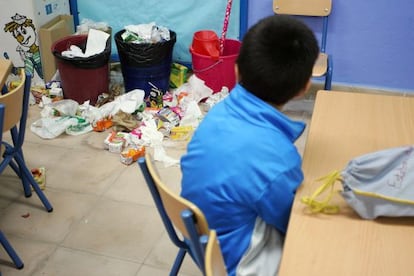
{"points": [[328, 76], [18, 171], [328, 81], [10, 251], [26, 184], [178, 261], [27, 176]]}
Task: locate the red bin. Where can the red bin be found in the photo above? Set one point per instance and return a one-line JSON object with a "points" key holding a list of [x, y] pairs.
{"points": [[82, 79]]}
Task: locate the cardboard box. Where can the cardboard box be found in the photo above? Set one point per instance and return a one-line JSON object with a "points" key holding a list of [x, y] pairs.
{"points": [[55, 29]]}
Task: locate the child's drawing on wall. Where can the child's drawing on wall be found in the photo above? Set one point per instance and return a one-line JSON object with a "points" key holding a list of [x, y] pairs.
{"points": [[24, 31]]}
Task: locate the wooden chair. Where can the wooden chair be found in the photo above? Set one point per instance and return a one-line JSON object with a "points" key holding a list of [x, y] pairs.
{"points": [[16, 103], [213, 262], [314, 8], [170, 206]]}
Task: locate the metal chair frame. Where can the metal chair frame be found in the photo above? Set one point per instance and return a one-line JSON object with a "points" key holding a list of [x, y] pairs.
{"points": [[3, 240], [13, 152], [13, 112], [206, 247], [170, 206]]}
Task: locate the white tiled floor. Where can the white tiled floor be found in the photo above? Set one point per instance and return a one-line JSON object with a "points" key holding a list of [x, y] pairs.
{"points": [[104, 221]]}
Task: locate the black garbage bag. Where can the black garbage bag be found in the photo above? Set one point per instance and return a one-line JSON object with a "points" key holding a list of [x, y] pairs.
{"points": [[143, 54]]}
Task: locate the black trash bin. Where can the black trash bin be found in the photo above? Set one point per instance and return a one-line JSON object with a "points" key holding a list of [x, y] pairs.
{"points": [[145, 63]]}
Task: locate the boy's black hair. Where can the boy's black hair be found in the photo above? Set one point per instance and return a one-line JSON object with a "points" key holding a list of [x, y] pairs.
{"points": [[276, 58]]}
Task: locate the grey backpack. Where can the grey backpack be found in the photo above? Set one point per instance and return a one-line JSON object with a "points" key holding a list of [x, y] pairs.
{"points": [[375, 184]]}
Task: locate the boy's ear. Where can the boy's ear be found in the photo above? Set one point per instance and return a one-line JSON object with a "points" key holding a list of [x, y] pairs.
{"points": [[236, 71], [305, 89], [308, 85]]}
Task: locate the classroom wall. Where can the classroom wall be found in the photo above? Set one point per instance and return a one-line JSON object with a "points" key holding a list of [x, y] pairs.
{"points": [[372, 42], [183, 18]]}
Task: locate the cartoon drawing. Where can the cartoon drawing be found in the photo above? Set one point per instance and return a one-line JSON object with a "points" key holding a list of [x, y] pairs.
{"points": [[24, 31]]}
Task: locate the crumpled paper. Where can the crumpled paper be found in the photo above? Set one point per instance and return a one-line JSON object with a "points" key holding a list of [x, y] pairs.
{"points": [[95, 44], [149, 33], [214, 99], [128, 103], [154, 138], [192, 116], [196, 89]]}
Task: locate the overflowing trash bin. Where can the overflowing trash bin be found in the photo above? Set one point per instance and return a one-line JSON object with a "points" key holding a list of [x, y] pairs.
{"points": [[82, 78], [145, 64]]}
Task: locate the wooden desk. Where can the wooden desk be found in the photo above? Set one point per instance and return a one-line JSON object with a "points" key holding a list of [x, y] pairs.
{"points": [[5, 68], [343, 126]]}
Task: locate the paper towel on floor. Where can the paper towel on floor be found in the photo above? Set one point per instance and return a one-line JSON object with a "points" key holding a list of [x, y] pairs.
{"points": [[154, 138]]}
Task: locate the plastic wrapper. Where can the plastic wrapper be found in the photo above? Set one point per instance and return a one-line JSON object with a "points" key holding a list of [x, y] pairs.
{"points": [[131, 155]]}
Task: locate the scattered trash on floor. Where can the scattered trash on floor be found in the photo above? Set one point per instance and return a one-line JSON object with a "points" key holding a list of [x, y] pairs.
{"points": [[132, 121], [178, 75], [131, 155], [25, 215], [39, 175]]}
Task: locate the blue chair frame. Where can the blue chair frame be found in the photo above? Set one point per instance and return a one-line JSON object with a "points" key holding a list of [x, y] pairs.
{"points": [[3, 240], [197, 246], [10, 251], [205, 247], [329, 69], [172, 220], [183, 247], [13, 153]]}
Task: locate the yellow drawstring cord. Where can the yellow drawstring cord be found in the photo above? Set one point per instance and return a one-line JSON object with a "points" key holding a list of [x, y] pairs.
{"points": [[323, 206]]}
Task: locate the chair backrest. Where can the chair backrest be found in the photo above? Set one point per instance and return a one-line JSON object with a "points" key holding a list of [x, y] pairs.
{"points": [[13, 103], [16, 103], [303, 7], [213, 262], [170, 205], [319, 8]]}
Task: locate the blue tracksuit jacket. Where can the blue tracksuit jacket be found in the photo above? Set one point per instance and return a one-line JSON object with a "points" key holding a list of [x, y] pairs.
{"points": [[241, 163]]}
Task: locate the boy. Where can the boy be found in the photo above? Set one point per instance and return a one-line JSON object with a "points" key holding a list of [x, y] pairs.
{"points": [[242, 168]]}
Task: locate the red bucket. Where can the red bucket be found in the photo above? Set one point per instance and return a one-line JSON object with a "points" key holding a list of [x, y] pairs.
{"points": [[206, 42], [217, 73]]}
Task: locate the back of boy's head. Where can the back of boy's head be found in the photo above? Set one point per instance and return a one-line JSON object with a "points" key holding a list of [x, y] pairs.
{"points": [[276, 58]]}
